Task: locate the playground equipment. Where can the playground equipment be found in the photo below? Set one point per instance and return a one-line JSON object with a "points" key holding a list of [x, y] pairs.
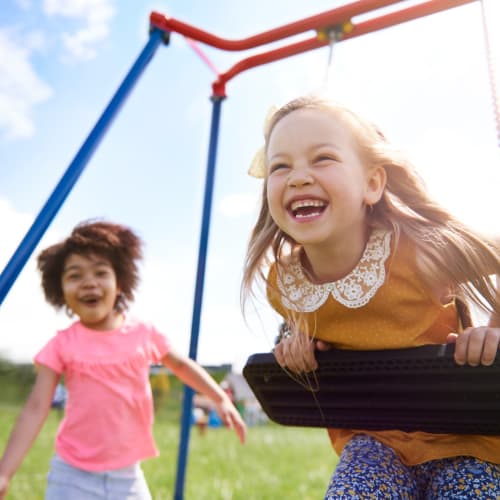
{"points": [[417, 389], [331, 26]]}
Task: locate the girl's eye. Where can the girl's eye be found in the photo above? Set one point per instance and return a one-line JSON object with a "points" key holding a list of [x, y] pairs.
{"points": [[277, 166], [324, 158], [72, 276]]}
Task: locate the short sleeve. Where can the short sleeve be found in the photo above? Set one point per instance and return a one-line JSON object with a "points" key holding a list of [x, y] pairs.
{"points": [[50, 356], [160, 345]]}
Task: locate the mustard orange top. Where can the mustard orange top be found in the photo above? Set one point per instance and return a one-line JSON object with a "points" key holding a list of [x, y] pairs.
{"points": [[381, 304]]}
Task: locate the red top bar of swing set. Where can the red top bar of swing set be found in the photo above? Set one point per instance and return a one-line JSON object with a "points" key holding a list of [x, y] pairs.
{"points": [[335, 19]]}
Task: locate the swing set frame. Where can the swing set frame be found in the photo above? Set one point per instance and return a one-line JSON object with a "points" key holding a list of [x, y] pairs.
{"points": [[331, 26]]}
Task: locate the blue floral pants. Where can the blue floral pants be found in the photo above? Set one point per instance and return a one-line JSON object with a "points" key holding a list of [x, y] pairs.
{"points": [[367, 469]]}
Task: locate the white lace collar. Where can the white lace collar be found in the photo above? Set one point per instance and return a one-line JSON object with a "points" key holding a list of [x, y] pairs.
{"points": [[353, 291]]}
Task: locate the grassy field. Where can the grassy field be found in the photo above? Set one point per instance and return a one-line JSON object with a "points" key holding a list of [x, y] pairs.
{"points": [[277, 462]]}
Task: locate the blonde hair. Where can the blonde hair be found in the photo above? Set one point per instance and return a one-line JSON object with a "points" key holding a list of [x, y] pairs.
{"points": [[449, 253]]}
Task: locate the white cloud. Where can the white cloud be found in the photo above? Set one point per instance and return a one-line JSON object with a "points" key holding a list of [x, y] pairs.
{"points": [[20, 86], [96, 14], [35, 41]]}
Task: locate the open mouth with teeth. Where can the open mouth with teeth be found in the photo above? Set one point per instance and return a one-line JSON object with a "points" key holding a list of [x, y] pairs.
{"points": [[90, 300], [306, 209]]}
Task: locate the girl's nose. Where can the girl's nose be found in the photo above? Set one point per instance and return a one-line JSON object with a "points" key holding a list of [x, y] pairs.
{"points": [[89, 280], [300, 177]]}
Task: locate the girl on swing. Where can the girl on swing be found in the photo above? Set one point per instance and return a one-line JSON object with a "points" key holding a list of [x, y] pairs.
{"points": [[356, 255]]}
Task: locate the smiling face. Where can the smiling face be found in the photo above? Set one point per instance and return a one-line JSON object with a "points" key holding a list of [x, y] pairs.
{"points": [[90, 290], [317, 184]]}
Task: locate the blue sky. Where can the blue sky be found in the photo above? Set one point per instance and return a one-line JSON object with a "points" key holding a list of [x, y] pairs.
{"points": [[425, 82]]}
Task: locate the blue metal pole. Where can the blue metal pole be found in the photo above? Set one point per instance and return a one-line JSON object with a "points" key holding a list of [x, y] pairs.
{"points": [[76, 167], [187, 405]]}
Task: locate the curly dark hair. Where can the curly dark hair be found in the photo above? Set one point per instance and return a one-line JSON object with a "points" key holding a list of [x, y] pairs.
{"points": [[117, 243]]}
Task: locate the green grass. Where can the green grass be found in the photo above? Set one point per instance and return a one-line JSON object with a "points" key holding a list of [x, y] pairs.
{"points": [[277, 462]]}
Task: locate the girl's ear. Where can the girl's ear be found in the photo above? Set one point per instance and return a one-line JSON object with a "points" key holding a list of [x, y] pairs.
{"points": [[375, 185]]}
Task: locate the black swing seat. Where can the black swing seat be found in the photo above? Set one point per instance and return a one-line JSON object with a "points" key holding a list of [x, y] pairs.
{"points": [[415, 389]]}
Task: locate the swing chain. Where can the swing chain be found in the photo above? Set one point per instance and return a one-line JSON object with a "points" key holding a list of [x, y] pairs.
{"points": [[333, 34], [491, 69]]}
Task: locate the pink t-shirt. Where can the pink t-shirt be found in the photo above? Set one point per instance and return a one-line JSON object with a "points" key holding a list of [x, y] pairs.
{"points": [[109, 412]]}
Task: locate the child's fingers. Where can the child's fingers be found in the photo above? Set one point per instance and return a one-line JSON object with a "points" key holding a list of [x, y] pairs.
{"points": [[231, 418], [4, 486], [296, 354], [288, 360], [300, 358], [461, 344], [240, 429], [278, 354], [306, 360], [477, 346], [233, 421], [321, 345], [490, 347]]}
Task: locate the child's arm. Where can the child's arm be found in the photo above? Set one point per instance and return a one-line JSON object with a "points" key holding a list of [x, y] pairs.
{"points": [[196, 377], [28, 425]]}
